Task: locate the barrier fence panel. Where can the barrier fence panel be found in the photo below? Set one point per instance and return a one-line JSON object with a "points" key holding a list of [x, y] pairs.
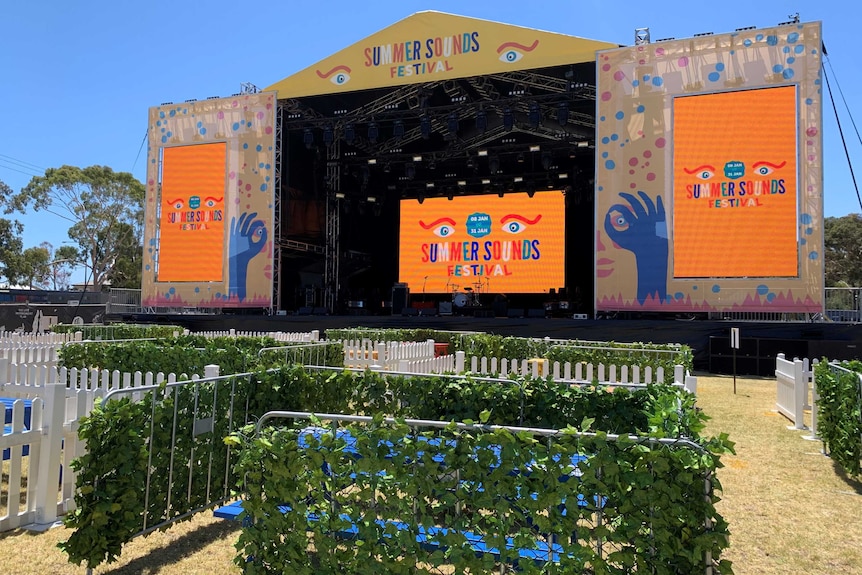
{"points": [[437, 496]]}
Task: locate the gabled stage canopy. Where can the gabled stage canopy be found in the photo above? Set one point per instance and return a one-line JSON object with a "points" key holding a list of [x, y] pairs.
{"points": [[432, 46]]}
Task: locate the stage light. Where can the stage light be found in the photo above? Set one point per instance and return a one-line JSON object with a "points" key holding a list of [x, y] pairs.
{"points": [[410, 171], [534, 115], [563, 176], [508, 119], [421, 198], [349, 133], [501, 193], [339, 195], [425, 127], [535, 148], [398, 130], [328, 135], [494, 164], [521, 158], [372, 161], [372, 199], [583, 144], [450, 195], [452, 123], [417, 158], [485, 181], [518, 179], [429, 185], [373, 132], [462, 183], [481, 121], [563, 113], [482, 153], [531, 189], [308, 138], [546, 160]]}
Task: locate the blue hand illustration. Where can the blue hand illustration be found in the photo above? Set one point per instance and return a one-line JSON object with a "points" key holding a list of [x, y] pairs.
{"points": [[642, 230], [247, 237]]}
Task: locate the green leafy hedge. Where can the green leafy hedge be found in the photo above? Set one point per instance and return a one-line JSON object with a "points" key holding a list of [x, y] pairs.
{"points": [[839, 419], [191, 353], [119, 330], [124, 439], [665, 356], [116, 499], [629, 506]]}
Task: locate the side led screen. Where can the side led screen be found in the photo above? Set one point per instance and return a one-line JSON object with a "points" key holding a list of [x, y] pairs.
{"points": [[191, 221], [734, 170], [509, 244]]}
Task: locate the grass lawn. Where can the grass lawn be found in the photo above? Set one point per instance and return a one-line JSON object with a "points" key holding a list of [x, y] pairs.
{"points": [[790, 509]]}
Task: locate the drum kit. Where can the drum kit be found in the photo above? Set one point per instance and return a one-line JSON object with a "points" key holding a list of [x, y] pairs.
{"points": [[468, 297]]}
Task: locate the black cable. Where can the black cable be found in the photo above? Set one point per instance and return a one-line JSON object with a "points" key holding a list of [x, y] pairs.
{"points": [[846, 107], [139, 149], [843, 141]]}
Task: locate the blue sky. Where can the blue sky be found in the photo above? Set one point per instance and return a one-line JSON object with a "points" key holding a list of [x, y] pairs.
{"points": [[78, 77]]}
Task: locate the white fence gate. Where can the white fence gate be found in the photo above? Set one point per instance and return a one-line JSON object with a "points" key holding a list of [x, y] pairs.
{"points": [[795, 391]]}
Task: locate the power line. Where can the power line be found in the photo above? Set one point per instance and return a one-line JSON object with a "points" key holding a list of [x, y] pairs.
{"points": [[22, 163], [19, 171]]}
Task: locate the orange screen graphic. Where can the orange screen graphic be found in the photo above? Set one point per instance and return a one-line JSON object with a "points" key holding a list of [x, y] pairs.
{"points": [[191, 226], [734, 207], [513, 244]]}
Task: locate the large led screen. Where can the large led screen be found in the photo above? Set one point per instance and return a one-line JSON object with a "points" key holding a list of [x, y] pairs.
{"points": [[709, 174], [490, 244], [191, 222], [734, 173]]}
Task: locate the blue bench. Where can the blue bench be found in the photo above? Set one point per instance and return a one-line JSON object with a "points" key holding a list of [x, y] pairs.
{"points": [[427, 537], [7, 403]]}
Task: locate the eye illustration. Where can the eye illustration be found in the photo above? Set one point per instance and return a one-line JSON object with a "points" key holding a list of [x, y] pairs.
{"points": [[443, 227], [515, 223], [704, 172], [177, 204], [211, 202], [766, 168], [340, 78], [511, 56], [619, 222], [339, 75], [511, 52], [443, 230]]}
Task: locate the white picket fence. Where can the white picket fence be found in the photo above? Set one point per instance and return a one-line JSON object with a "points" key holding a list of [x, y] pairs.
{"points": [[303, 337], [795, 391], [364, 354], [60, 398], [14, 337], [577, 373]]}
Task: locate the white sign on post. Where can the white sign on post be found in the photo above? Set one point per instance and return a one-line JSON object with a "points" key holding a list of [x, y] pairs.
{"points": [[734, 337]]}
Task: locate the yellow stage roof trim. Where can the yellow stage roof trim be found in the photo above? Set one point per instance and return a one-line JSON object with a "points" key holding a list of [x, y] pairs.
{"points": [[430, 46]]}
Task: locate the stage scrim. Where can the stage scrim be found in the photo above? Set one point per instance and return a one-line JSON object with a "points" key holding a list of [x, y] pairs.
{"points": [[509, 244], [209, 207], [709, 174]]}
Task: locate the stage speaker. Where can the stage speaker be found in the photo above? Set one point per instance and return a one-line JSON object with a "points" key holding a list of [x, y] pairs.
{"points": [[400, 297], [445, 308]]}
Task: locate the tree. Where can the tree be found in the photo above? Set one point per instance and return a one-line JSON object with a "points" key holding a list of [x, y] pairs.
{"points": [[11, 246], [127, 269], [35, 266], [104, 209], [843, 250]]}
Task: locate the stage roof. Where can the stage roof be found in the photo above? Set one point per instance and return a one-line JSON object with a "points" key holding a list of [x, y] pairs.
{"points": [[432, 46]]}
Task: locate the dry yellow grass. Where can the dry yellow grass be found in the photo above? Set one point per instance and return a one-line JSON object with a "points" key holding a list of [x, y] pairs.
{"points": [[790, 510]]}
